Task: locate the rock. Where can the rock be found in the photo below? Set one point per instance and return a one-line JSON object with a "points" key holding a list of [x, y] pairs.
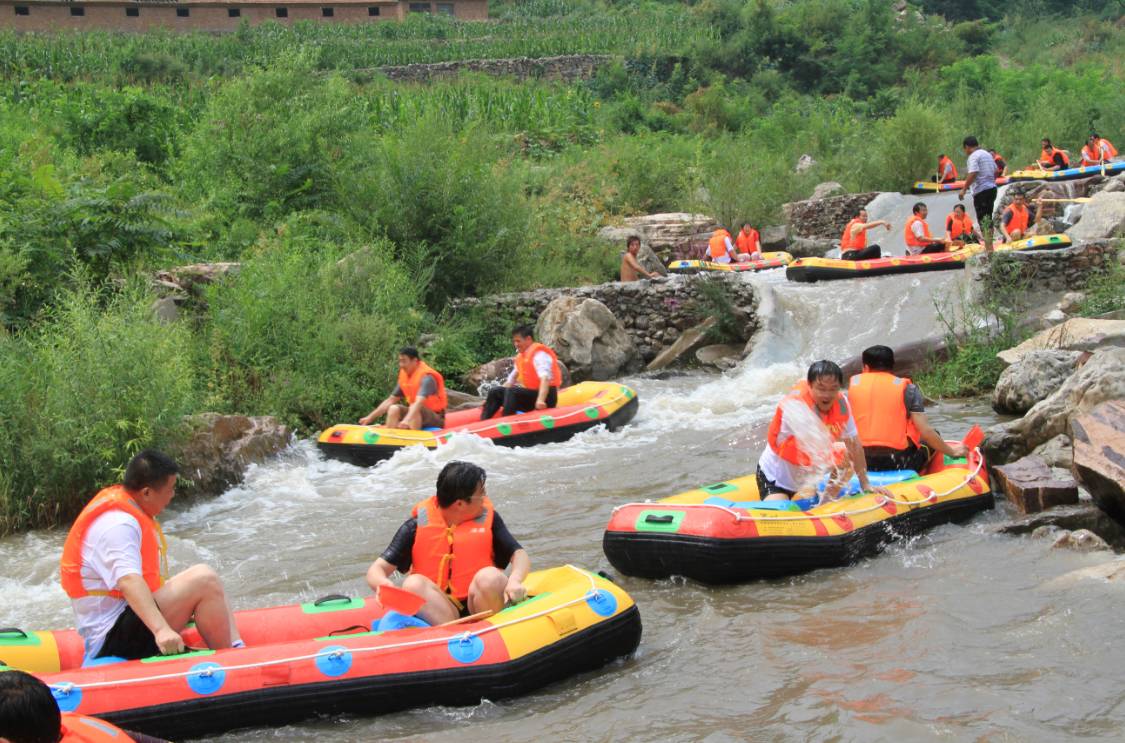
{"points": [[773, 237], [1082, 540], [1100, 379], [666, 232], [1071, 302], [1049, 531], [826, 189], [1032, 378], [219, 448], [488, 374], [1057, 452], [587, 338], [648, 258], [618, 235], [189, 277], [811, 247], [684, 344], [1031, 486], [1069, 518], [825, 217], [1076, 334], [721, 355], [1114, 185], [1103, 216], [1109, 572], [458, 400], [1099, 455], [1053, 318], [166, 309], [804, 164]]}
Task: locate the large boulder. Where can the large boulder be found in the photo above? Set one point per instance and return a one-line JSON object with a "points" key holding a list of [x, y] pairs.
{"points": [[824, 217], [588, 338], [668, 231], [773, 237], [646, 256], [1103, 216], [219, 448], [1032, 487], [1102, 378], [1068, 518], [810, 247], [1099, 455], [458, 400], [826, 189], [1076, 334], [1058, 452], [1032, 378]]}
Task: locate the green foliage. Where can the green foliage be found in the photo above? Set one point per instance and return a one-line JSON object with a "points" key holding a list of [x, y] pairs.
{"points": [[1105, 292], [80, 394], [714, 302]]}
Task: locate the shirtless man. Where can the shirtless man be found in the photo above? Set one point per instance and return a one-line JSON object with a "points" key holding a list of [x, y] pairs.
{"points": [[631, 268]]}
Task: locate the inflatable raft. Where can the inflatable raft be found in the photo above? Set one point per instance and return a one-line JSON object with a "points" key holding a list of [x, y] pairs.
{"points": [[1112, 168], [922, 187], [333, 657], [776, 259], [723, 533], [828, 269], [580, 408]]}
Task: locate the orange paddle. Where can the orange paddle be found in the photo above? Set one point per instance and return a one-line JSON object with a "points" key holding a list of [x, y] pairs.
{"points": [[973, 438], [397, 599]]}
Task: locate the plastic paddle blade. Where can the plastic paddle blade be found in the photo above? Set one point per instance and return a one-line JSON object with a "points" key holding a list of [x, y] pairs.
{"points": [[397, 599], [973, 438]]}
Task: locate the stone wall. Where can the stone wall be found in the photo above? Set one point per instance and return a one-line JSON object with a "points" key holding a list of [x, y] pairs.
{"points": [[825, 218], [654, 313], [567, 68], [1068, 269]]}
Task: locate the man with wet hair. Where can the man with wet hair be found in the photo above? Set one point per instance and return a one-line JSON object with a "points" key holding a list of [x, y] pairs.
{"points": [[787, 464], [115, 570], [533, 383], [421, 388], [631, 268], [453, 550], [30, 714], [890, 416]]}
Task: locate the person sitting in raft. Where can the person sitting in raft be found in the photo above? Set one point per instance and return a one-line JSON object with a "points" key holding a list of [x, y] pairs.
{"points": [[917, 234], [1098, 151], [114, 569], [853, 243], [891, 417], [749, 244], [453, 550], [1014, 223], [1051, 158], [1001, 163], [959, 227], [720, 249], [785, 466], [536, 370], [946, 171], [631, 268], [421, 387]]}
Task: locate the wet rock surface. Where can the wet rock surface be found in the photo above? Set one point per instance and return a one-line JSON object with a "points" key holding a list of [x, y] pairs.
{"points": [[1099, 455], [218, 449]]}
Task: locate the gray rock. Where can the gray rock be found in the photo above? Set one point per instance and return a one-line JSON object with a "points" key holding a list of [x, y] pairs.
{"points": [[1069, 518], [804, 164], [1058, 452], [826, 189], [648, 259], [1099, 455], [1071, 302], [1033, 378], [773, 237], [587, 337], [1076, 334], [1053, 318], [1103, 216], [458, 400], [218, 449], [720, 355], [684, 344], [1082, 540], [810, 247], [1108, 572], [166, 309], [1032, 487]]}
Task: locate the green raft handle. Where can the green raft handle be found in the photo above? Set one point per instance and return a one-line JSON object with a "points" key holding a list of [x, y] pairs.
{"points": [[13, 631], [654, 519], [331, 598]]}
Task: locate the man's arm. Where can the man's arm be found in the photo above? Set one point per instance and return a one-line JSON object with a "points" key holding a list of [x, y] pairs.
{"points": [[933, 439], [859, 463], [636, 266], [379, 574], [869, 225], [514, 592], [140, 600], [380, 411], [972, 176]]}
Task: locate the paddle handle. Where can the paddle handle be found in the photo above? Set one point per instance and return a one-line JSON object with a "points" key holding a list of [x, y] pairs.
{"points": [[471, 618], [1081, 200]]}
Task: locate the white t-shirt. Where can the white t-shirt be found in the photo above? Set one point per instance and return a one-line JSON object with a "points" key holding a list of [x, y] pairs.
{"points": [[542, 363], [111, 551], [982, 163], [793, 476], [919, 232]]}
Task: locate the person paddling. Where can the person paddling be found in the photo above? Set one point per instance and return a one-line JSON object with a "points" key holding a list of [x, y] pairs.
{"points": [[1098, 151], [1051, 158], [946, 170]]}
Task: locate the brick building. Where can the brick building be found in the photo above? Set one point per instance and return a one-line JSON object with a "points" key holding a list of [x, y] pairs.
{"points": [[215, 15]]}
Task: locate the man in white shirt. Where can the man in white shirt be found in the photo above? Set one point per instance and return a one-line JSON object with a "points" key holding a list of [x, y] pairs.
{"points": [[114, 568], [536, 369], [981, 180]]}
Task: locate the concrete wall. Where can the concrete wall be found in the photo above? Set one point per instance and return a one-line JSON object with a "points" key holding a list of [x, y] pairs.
{"points": [[1041, 271]]}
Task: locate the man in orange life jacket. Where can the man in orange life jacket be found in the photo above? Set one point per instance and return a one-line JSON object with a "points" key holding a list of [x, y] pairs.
{"points": [[785, 466], [1051, 157], [959, 227], [453, 550], [749, 243], [947, 172], [891, 417], [1016, 222], [917, 235], [853, 243], [1098, 151], [421, 387], [536, 369], [114, 569]]}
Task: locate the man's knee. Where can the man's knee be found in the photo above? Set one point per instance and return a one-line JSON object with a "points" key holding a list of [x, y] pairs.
{"points": [[203, 579], [490, 581], [417, 584]]}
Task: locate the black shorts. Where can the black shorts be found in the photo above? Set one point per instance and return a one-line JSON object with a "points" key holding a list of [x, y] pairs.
{"points": [[129, 638], [983, 204], [767, 486], [882, 459]]}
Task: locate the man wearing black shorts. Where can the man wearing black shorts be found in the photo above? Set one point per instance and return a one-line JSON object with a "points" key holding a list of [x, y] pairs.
{"points": [[981, 180]]}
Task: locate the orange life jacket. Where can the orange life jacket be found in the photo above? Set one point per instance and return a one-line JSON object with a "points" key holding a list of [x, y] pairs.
{"points": [[717, 246], [1019, 218], [451, 556], [526, 374], [1102, 149], [748, 243], [154, 548], [790, 449], [850, 242], [1047, 158], [944, 162], [998, 160], [880, 410], [908, 233], [78, 728], [412, 383], [958, 226]]}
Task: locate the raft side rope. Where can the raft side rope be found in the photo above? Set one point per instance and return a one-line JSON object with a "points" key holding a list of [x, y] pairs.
{"points": [[593, 592], [881, 501]]}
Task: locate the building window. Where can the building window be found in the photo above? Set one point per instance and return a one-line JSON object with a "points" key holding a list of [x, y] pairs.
{"points": [[281, 12], [78, 11], [132, 12], [23, 10], [419, 7], [372, 10], [327, 12], [234, 12], [183, 12], [445, 9]]}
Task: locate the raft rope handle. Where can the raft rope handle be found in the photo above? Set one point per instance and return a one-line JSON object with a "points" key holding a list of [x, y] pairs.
{"points": [[881, 501], [593, 592], [582, 411]]}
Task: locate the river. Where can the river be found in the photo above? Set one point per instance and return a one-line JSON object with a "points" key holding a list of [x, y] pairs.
{"points": [[949, 636]]}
